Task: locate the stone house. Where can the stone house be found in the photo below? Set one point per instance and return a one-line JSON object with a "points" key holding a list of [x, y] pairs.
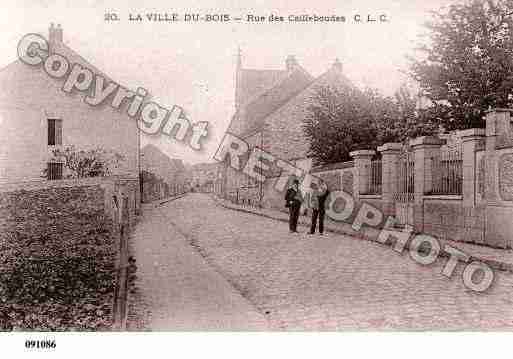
{"points": [[270, 106], [37, 116], [161, 175], [204, 176]]}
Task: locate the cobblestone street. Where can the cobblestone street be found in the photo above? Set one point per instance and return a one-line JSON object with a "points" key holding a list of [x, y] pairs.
{"points": [[301, 282]]}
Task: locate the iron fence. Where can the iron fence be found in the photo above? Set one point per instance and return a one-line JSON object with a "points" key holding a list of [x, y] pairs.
{"points": [[405, 176], [446, 173], [375, 178], [54, 170]]}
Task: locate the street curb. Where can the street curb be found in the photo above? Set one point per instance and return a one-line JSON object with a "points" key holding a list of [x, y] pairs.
{"points": [[493, 263], [172, 199]]}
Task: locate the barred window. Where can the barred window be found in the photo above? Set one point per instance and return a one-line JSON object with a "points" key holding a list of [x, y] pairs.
{"points": [[54, 170]]}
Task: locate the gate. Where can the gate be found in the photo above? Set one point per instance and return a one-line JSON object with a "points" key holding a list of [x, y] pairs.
{"points": [[405, 196]]}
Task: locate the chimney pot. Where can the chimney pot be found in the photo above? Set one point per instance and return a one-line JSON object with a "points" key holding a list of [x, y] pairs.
{"points": [[337, 65], [290, 63], [55, 34]]}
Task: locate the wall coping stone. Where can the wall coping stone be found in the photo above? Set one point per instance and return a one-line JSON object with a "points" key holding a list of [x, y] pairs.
{"points": [[499, 109], [447, 197], [390, 146], [362, 153], [370, 196], [427, 141], [74, 182], [472, 132]]}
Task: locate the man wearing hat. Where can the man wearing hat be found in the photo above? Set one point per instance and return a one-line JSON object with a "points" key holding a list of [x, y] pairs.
{"points": [[318, 204], [293, 199]]}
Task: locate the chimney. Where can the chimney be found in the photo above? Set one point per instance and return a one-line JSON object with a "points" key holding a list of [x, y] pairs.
{"points": [[55, 34], [337, 65], [291, 63]]}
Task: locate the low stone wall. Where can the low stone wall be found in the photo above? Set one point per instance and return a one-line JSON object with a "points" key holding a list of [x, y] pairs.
{"points": [[373, 200], [448, 219], [64, 207], [51, 212], [63, 239]]}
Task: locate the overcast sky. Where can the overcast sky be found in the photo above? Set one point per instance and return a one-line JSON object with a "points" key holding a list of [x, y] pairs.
{"points": [[193, 64]]}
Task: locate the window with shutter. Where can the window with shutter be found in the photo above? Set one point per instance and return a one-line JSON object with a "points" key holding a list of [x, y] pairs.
{"points": [[51, 132], [58, 132]]}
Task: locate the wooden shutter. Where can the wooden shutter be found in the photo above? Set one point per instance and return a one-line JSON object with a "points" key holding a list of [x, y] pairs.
{"points": [[58, 132], [51, 132]]}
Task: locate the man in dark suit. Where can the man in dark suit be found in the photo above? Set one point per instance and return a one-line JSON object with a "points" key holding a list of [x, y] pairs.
{"points": [[293, 199]]}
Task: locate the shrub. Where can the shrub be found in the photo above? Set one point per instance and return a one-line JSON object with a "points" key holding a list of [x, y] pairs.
{"points": [[58, 284]]}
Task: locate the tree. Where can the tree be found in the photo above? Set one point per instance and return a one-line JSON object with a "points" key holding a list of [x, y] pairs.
{"points": [[467, 64], [340, 121], [86, 163], [337, 123]]}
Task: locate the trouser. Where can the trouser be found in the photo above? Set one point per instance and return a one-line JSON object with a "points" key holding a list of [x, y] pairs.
{"points": [[293, 217], [317, 213]]}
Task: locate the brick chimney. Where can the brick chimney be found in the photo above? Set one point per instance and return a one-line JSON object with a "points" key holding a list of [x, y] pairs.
{"points": [[291, 63], [54, 34]]}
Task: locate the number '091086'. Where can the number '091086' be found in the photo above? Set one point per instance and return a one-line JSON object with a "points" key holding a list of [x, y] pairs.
{"points": [[40, 344]]}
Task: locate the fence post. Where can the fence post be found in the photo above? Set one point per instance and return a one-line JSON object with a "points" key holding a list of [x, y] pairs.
{"points": [[425, 148], [362, 165], [472, 141], [389, 159], [498, 224]]}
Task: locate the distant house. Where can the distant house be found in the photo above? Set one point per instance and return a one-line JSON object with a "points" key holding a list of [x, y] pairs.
{"points": [[270, 106], [161, 175], [37, 116], [204, 176]]}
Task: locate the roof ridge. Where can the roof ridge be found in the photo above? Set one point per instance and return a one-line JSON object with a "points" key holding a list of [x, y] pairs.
{"points": [[92, 67], [275, 70], [316, 79], [275, 84]]}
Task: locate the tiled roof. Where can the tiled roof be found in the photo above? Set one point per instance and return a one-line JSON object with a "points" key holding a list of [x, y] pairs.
{"points": [[157, 162], [287, 93], [254, 82], [276, 97]]}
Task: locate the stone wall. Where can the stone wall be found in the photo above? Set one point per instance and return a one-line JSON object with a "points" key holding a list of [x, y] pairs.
{"points": [[450, 219], [506, 176], [56, 209], [52, 213], [477, 209], [67, 239]]}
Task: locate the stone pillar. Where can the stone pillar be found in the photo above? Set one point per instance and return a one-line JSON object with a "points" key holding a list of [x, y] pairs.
{"points": [[362, 165], [497, 123], [498, 224], [389, 159], [472, 140], [425, 148]]}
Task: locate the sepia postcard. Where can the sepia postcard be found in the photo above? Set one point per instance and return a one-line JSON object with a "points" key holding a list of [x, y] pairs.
{"points": [[333, 166]]}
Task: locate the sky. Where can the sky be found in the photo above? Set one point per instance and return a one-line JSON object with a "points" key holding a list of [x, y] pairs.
{"points": [[193, 64]]}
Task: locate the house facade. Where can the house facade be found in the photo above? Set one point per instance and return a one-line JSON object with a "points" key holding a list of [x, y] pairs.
{"points": [[37, 117], [161, 176], [204, 176], [270, 107]]}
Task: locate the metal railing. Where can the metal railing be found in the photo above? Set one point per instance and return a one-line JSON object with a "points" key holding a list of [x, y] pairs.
{"points": [[405, 177], [375, 178], [446, 173], [54, 170]]}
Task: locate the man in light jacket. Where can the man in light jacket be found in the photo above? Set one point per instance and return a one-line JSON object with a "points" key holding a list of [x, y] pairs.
{"points": [[318, 204]]}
